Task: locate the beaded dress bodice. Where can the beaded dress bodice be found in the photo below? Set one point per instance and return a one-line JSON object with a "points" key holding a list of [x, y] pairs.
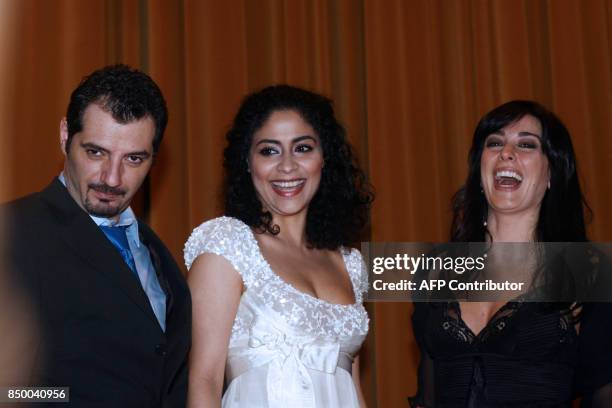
{"points": [[286, 347]]}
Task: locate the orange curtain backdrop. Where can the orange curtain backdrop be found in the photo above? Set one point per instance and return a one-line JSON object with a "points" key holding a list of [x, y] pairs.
{"points": [[409, 78], [8, 39]]}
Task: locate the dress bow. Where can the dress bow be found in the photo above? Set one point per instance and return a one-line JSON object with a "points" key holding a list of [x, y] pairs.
{"points": [[289, 383]]}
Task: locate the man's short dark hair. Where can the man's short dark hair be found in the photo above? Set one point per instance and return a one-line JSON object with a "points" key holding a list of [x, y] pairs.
{"points": [[126, 93]]}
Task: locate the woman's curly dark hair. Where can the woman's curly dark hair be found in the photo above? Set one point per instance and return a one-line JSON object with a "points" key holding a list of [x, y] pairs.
{"points": [[340, 208], [562, 212]]}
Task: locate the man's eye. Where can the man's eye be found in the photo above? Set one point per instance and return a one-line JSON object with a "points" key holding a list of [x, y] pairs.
{"points": [[135, 159], [303, 148], [268, 151], [93, 152]]}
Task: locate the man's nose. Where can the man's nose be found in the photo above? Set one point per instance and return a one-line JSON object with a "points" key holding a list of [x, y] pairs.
{"points": [[112, 173]]}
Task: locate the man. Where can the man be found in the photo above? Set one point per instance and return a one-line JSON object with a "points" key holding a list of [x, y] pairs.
{"points": [[114, 311]]}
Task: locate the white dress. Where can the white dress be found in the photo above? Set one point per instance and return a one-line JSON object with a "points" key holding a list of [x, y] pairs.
{"points": [[287, 349]]}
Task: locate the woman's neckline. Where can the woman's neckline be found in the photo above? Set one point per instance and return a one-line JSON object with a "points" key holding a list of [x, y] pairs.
{"points": [[343, 252]]}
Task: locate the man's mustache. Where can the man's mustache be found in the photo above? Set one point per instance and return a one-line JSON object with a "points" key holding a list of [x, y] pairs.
{"points": [[106, 189]]}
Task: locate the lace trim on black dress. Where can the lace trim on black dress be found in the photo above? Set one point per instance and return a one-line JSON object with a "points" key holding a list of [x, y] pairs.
{"points": [[523, 357]]}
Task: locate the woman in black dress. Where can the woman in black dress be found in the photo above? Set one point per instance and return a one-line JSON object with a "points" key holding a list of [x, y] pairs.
{"points": [[522, 186]]}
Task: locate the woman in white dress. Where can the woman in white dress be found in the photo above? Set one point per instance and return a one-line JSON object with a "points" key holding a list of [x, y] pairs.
{"points": [[277, 293]]}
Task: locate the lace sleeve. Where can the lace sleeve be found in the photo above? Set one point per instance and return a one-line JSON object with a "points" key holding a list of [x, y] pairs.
{"points": [[358, 272], [223, 236]]}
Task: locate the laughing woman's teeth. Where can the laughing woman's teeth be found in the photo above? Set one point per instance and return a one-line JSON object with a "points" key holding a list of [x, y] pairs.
{"points": [[508, 174]]}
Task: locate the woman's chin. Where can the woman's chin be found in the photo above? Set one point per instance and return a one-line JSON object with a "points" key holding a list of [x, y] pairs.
{"points": [[510, 208], [289, 211]]}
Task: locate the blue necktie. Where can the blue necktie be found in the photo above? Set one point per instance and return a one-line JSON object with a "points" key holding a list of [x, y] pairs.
{"points": [[118, 237]]}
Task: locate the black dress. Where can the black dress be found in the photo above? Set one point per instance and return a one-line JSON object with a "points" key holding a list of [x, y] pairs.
{"points": [[528, 355]]}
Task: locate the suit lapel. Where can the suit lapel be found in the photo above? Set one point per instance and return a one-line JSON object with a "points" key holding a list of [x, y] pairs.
{"points": [[89, 243]]}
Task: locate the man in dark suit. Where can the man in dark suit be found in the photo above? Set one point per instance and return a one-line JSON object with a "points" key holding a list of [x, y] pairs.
{"points": [[113, 309]]}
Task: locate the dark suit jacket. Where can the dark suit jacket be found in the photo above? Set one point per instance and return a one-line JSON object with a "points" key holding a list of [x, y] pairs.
{"points": [[98, 332]]}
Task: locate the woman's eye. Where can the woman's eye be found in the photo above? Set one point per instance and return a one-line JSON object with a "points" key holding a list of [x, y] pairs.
{"points": [[493, 143], [304, 148], [528, 145], [268, 151]]}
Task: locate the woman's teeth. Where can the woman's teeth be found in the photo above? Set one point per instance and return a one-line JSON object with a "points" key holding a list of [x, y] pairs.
{"points": [[288, 184], [508, 174]]}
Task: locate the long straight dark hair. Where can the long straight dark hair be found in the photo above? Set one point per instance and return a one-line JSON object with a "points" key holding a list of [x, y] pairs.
{"points": [[562, 213]]}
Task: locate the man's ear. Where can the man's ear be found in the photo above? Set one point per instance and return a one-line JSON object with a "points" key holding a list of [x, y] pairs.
{"points": [[63, 128]]}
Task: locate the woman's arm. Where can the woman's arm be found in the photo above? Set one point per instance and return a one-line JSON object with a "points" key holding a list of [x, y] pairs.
{"points": [[602, 398], [215, 292], [357, 381]]}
